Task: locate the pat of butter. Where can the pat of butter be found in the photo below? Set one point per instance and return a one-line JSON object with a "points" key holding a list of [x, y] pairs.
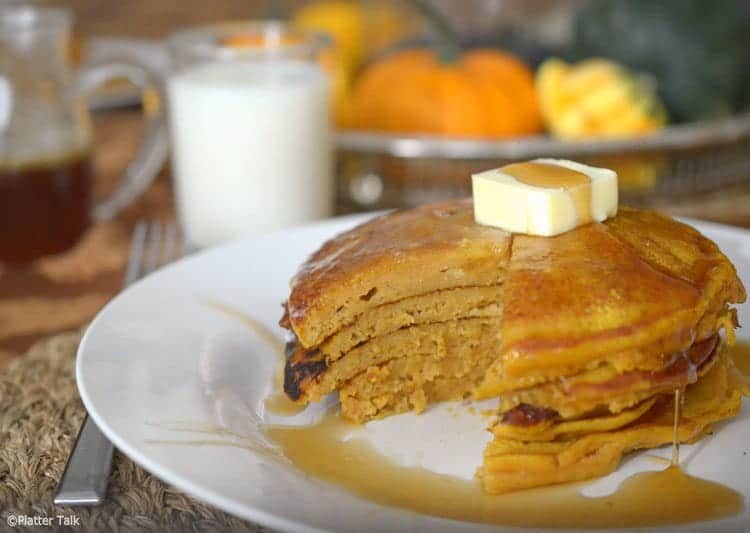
{"points": [[544, 197]]}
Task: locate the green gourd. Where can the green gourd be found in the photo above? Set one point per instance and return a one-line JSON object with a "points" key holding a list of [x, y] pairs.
{"points": [[698, 51]]}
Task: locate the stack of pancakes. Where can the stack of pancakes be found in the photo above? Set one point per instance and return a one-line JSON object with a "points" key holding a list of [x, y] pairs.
{"points": [[399, 312], [584, 337]]}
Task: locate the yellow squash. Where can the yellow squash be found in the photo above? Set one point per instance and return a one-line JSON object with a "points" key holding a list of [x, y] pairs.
{"points": [[596, 98]]}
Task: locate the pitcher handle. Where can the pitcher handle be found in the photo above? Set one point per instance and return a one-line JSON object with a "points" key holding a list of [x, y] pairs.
{"points": [[153, 149]]}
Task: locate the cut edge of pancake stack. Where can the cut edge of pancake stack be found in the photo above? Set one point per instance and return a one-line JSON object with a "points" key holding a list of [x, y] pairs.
{"points": [[584, 337], [398, 313]]}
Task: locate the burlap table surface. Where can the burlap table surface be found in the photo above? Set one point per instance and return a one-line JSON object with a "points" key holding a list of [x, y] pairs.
{"points": [[40, 413]]}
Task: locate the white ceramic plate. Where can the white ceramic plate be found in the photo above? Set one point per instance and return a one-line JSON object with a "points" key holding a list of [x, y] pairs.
{"points": [[178, 387]]}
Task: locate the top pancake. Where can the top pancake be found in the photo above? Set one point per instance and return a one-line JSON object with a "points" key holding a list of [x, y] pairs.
{"points": [[639, 279], [395, 256]]}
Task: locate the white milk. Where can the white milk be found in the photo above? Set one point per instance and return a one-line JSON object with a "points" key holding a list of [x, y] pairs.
{"points": [[251, 147]]}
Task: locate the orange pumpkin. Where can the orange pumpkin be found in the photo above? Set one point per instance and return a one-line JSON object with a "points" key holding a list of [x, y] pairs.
{"points": [[483, 93]]}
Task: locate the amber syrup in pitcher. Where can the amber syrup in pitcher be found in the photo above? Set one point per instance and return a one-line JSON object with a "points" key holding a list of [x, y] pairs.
{"points": [[44, 206]]}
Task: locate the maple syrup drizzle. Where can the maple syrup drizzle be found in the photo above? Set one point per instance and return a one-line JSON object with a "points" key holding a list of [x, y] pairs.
{"points": [[678, 399], [277, 402], [669, 496], [549, 176], [211, 436], [256, 327]]}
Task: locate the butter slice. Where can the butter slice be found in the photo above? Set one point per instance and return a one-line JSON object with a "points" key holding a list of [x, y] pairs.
{"points": [[502, 201]]}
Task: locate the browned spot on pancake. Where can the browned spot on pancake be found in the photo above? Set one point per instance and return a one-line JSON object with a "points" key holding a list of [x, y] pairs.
{"points": [[284, 321], [367, 296], [527, 415], [301, 366]]}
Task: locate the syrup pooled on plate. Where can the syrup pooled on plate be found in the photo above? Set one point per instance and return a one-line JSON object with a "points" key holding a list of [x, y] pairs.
{"points": [[665, 497], [278, 403]]}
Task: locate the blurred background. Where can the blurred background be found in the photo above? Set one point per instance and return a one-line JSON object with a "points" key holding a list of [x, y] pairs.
{"points": [[422, 94]]}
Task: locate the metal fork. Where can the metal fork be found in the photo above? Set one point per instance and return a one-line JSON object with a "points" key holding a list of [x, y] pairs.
{"points": [[84, 481]]}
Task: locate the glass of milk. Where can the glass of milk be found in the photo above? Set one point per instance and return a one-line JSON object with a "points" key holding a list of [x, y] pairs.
{"points": [[250, 129]]}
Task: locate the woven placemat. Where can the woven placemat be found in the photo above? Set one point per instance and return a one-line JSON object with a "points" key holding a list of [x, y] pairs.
{"points": [[40, 412]]}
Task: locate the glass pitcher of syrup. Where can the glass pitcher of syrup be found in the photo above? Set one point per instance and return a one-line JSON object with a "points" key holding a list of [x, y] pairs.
{"points": [[45, 136]]}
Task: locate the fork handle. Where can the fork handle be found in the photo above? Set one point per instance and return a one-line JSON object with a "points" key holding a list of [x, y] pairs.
{"points": [[84, 481]]}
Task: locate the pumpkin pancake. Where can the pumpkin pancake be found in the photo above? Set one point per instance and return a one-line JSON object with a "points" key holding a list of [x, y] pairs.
{"points": [[438, 306], [402, 254], [603, 289], [583, 337]]}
